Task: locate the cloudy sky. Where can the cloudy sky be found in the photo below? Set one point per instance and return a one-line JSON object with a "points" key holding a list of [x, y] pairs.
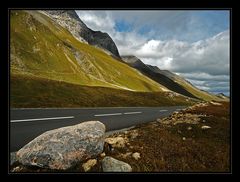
{"points": [[193, 44]]}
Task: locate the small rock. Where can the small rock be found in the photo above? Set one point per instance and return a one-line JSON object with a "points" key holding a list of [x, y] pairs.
{"points": [[89, 164], [110, 164], [204, 121], [136, 155], [102, 154], [126, 155], [189, 128], [205, 127], [215, 103], [184, 138], [117, 142], [134, 134]]}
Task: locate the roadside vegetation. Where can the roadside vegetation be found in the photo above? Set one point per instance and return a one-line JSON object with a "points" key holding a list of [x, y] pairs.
{"points": [[201, 144]]}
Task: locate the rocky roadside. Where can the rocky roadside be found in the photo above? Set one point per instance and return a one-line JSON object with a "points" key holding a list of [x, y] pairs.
{"points": [[192, 140]]}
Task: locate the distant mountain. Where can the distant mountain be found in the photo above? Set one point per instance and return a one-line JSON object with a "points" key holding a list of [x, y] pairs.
{"points": [[168, 79], [222, 96], [70, 20]]}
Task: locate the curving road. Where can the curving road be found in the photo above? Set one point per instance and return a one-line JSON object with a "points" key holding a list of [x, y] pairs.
{"points": [[26, 124]]}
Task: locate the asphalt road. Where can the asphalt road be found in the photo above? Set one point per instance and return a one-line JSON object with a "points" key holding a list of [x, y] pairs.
{"points": [[26, 124]]}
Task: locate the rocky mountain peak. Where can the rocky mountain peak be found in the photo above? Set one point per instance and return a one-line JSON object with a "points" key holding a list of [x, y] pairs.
{"points": [[133, 61], [70, 20]]}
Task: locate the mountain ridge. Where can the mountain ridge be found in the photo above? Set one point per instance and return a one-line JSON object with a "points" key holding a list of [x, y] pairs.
{"points": [[168, 79], [70, 20]]}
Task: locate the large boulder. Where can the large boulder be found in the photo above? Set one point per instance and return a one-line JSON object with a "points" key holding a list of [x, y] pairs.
{"points": [[62, 148], [110, 164]]}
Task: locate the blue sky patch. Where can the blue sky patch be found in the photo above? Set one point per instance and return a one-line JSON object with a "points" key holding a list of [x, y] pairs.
{"points": [[123, 26]]}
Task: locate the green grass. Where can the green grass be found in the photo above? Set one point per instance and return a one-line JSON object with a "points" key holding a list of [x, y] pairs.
{"points": [[28, 91], [42, 48]]}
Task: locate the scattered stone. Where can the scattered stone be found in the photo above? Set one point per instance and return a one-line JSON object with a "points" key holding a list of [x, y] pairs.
{"points": [[133, 134], [117, 142], [184, 138], [205, 127], [62, 148], [159, 120], [215, 103], [181, 118], [189, 128], [204, 121], [136, 155], [13, 158], [102, 154], [89, 164], [110, 164], [126, 155]]}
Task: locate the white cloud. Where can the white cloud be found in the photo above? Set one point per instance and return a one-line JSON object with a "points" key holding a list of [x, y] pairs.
{"points": [[208, 56], [204, 63], [201, 76], [96, 19]]}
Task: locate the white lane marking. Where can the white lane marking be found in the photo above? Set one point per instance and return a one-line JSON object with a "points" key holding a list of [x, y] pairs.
{"points": [[112, 114], [41, 119], [132, 112], [163, 110]]}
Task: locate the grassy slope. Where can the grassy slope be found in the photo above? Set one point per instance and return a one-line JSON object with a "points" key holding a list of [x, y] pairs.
{"points": [[40, 47], [29, 91], [191, 88], [198, 93]]}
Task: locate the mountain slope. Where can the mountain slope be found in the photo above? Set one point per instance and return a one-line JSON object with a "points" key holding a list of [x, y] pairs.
{"points": [[70, 20], [34, 92], [222, 96], [168, 79], [41, 47]]}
